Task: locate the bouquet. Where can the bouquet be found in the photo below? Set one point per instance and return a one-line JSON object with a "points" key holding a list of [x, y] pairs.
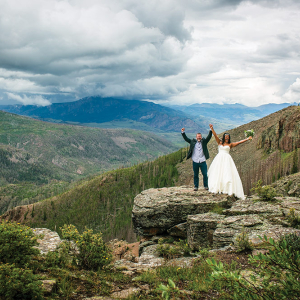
{"points": [[249, 133]]}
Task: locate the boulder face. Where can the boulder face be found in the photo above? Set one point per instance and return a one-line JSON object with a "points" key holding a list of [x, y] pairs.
{"points": [[155, 211], [183, 213]]}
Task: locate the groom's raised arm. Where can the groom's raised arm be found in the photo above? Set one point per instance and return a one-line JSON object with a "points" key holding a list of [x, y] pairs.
{"points": [[184, 136]]}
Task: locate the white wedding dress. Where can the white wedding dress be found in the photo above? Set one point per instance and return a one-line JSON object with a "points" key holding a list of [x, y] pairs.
{"points": [[223, 176]]}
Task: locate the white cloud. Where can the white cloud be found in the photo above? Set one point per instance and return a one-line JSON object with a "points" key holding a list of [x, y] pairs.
{"points": [[33, 100], [293, 92]]}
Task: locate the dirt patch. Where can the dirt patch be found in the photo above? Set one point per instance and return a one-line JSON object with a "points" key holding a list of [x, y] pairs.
{"points": [[122, 141], [122, 249], [241, 259]]}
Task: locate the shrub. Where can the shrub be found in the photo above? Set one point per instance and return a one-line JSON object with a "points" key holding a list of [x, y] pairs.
{"points": [[16, 243], [90, 251], [292, 241], [16, 283], [293, 218], [242, 242], [266, 192], [168, 251], [276, 276], [184, 247], [204, 252], [60, 257], [180, 248]]}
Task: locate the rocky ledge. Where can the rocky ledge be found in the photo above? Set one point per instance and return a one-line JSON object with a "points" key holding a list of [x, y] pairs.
{"points": [[181, 212]]}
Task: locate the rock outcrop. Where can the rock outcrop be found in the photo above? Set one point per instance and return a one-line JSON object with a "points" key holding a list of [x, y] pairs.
{"points": [[183, 213], [156, 211], [288, 185], [283, 135]]}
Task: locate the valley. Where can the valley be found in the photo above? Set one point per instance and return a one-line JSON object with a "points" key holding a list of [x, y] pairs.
{"points": [[41, 159]]}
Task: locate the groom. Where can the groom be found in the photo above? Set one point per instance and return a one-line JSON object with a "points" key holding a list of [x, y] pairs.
{"points": [[199, 154]]}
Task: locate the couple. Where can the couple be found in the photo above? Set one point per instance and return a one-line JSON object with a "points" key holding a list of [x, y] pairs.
{"points": [[222, 176]]}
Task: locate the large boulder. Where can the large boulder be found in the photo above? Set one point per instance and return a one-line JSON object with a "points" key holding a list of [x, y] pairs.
{"points": [[155, 211]]}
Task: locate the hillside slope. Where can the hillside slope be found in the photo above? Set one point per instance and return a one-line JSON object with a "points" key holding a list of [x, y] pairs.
{"points": [[73, 151], [39, 159]]}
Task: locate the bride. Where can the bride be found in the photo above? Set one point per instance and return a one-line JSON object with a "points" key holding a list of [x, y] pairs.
{"points": [[223, 176]]}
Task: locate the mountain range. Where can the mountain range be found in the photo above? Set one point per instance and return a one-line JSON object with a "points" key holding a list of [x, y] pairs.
{"points": [[148, 116], [97, 110], [231, 115]]}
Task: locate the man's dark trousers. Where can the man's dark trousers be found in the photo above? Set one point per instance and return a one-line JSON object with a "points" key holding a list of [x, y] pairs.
{"points": [[203, 167]]}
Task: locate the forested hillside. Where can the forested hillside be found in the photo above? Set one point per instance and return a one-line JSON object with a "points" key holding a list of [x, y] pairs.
{"points": [[103, 203], [40, 159]]}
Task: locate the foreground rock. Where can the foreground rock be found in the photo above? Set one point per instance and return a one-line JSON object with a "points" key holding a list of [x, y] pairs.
{"points": [[156, 211], [48, 240], [183, 213]]}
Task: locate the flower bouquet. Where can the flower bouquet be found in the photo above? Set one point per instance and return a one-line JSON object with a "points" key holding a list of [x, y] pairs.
{"points": [[249, 133]]}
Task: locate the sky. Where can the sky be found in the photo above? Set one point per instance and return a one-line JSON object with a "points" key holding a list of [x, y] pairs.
{"points": [[175, 52]]}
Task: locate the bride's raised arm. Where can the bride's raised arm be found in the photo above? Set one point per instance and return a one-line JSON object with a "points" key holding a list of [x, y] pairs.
{"points": [[214, 133], [240, 142]]}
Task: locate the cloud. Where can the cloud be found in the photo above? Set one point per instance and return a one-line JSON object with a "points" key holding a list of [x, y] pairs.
{"points": [[182, 52], [293, 92], [34, 100]]}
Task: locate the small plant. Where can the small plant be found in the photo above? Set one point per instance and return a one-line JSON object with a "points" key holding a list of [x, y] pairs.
{"points": [[293, 218], [266, 192], [90, 251], [160, 241], [184, 247], [168, 290], [204, 252], [217, 209], [16, 283], [169, 240], [16, 244], [166, 251], [242, 242]]}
